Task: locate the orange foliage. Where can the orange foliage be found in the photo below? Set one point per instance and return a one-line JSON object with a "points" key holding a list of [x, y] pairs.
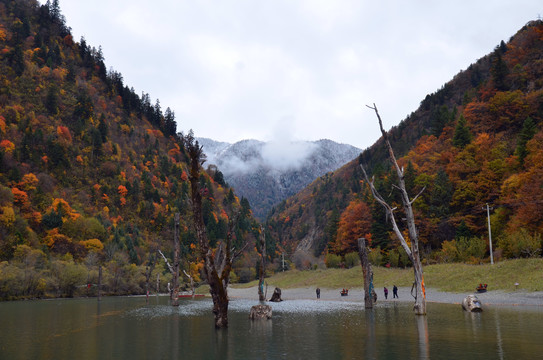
{"points": [[62, 207], [122, 190], [155, 132], [2, 124], [354, 223], [64, 133], [20, 197], [7, 145]]}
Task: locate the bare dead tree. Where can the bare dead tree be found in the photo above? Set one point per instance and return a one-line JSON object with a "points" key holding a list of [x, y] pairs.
{"points": [[262, 271], [191, 282], [413, 251], [176, 260], [367, 272], [217, 267], [172, 271], [148, 271]]}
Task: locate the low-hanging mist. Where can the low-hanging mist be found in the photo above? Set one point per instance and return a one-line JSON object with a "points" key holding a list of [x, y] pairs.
{"points": [[268, 172]]}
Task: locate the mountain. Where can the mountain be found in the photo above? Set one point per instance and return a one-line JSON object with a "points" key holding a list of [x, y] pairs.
{"points": [[268, 172], [90, 172], [478, 140]]}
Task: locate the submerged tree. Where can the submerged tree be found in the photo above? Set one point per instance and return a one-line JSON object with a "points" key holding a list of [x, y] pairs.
{"points": [[413, 252], [262, 271], [217, 266]]}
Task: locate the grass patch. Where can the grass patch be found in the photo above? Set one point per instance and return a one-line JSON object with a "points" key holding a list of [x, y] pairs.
{"points": [[445, 277]]}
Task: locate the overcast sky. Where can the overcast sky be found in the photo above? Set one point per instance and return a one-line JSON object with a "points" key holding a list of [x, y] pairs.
{"points": [[286, 69]]}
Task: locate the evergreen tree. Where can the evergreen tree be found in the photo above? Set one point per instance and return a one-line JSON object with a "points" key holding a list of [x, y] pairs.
{"points": [[462, 135], [462, 231], [102, 128], [526, 134], [441, 195], [440, 118], [499, 72]]}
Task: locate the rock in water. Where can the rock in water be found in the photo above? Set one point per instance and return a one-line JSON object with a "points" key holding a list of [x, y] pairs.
{"points": [[471, 303], [276, 297], [261, 312]]}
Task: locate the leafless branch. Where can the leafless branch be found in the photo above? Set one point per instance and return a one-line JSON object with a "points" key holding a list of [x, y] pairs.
{"points": [[166, 261]]}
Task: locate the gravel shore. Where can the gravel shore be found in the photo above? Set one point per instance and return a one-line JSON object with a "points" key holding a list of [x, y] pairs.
{"points": [[495, 297]]}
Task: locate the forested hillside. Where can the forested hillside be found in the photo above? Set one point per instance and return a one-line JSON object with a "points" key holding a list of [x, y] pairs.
{"points": [[477, 140], [90, 172]]}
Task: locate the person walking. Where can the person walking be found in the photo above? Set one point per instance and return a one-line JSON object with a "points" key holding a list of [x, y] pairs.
{"points": [[386, 293], [395, 292], [318, 291]]}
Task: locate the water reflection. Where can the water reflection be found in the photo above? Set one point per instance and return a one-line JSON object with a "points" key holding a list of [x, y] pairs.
{"points": [[371, 348], [424, 343], [498, 336], [128, 328]]}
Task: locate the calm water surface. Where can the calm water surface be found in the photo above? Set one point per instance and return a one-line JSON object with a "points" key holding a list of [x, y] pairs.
{"points": [[127, 328]]}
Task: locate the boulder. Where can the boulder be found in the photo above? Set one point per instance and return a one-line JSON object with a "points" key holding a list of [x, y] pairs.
{"points": [[472, 304], [276, 297], [261, 312]]}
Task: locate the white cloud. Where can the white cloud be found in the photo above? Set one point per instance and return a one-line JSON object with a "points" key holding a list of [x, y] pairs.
{"points": [[235, 69]]}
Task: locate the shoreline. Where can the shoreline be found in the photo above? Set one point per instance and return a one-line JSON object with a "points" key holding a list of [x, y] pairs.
{"points": [[491, 297]]}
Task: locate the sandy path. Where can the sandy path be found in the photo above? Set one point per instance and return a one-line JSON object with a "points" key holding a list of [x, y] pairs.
{"points": [[490, 297]]}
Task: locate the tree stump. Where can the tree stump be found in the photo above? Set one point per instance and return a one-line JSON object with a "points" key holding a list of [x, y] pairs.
{"points": [[276, 297], [261, 312], [472, 304]]}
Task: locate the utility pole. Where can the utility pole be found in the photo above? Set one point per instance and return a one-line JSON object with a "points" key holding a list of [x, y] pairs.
{"points": [[489, 234]]}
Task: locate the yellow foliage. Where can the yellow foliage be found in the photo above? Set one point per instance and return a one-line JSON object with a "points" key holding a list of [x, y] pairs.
{"points": [[29, 182], [7, 217], [93, 245]]}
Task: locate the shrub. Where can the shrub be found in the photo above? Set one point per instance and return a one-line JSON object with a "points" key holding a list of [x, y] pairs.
{"points": [[376, 256], [394, 257], [351, 259], [332, 261], [247, 274], [469, 250], [520, 244]]}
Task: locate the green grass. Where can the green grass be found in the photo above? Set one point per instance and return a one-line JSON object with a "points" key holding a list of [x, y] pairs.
{"points": [[445, 277]]}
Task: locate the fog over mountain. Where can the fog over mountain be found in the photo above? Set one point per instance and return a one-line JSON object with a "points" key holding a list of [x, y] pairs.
{"points": [[268, 172]]}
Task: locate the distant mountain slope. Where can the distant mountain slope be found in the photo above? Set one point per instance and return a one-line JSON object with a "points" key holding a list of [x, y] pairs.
{"points": [[267, 173], [477, 140]]}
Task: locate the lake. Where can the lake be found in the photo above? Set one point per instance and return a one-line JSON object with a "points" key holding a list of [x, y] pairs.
{"points": [[127, 328]]}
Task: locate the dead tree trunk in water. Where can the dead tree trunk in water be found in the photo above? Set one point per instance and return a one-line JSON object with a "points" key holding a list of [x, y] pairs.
{"points": [[175, 297], [262, 271], [367, 272], [413, 252], [216, 268], [99, 282]]}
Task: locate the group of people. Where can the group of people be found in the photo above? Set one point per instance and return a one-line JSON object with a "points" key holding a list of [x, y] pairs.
{"points": [[394, 292]]}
